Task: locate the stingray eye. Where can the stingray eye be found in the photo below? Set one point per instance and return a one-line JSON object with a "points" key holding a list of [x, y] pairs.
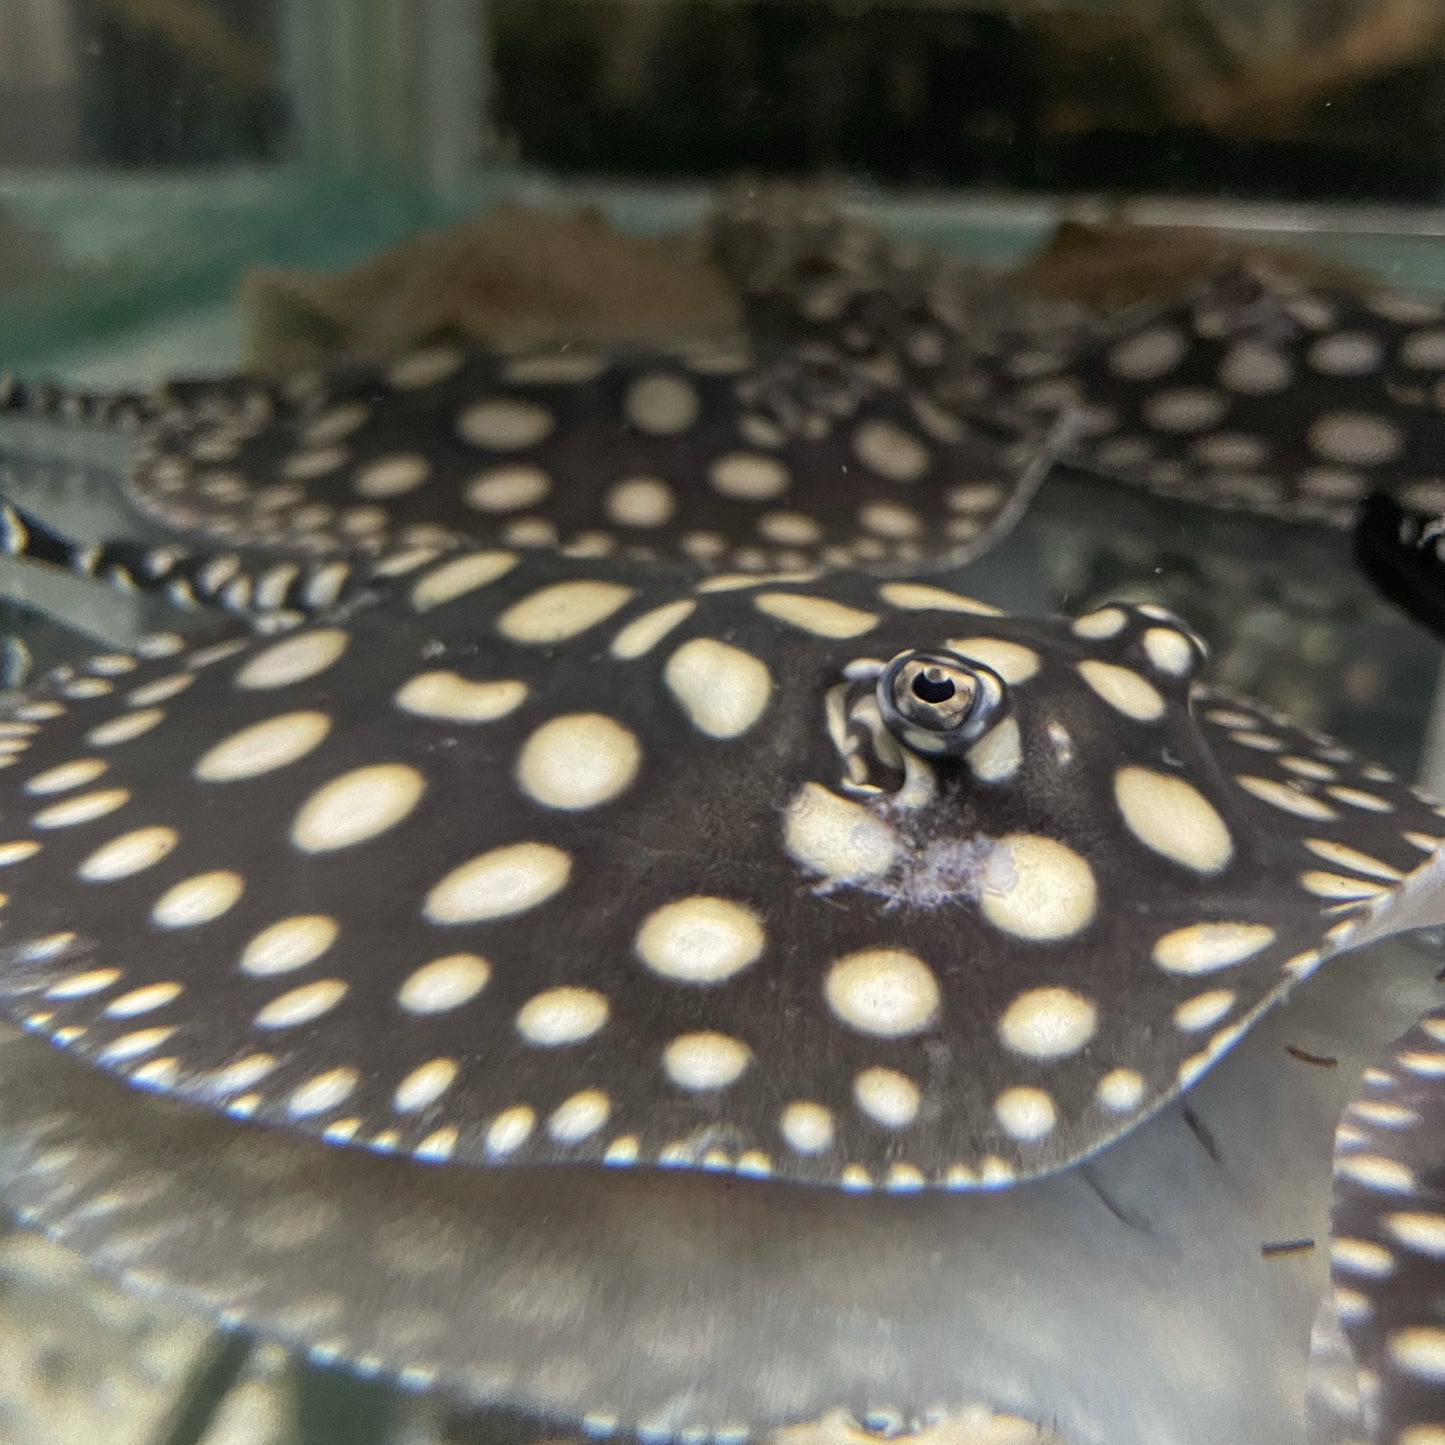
{"points": [[938, 702]]}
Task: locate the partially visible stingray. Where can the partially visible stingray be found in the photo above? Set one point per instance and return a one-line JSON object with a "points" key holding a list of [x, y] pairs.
{"points": [[667, 1301], [879, 887], [1402, 550]]}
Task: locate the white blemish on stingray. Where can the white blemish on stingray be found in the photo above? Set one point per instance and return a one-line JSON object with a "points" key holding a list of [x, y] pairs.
{"points": [[1037, 888], [1149, 355], [1121, 1091], [425, 367], [749, 477], [507, 489], [1186, 409], [577, 761], [1362, 1256], [1123, 689], [555, 368], [1026, 1114], [1106, 622], [1286, 798], [449, 697], [1013, 662], [1419, 1350], [289, 944], [920, 597], [17, 851], [263, 747], [998, 754], [294, 660], [702, 1061], [356, 807], [662, 404], [335, 424], [643, 633], [83, 808], [510, 1130], [198, 900], [580, 1116], [722, 689], [816, 615], [890, 519], [641, 502], [1345, 353], [700, 939], [1048, 1023], [444, 983], [1356, 438], [1389, 1176], [1169, 651], [322, 1092], [130, 853], [1173, 818], [838, 839], [887, 1097], [1358, 798], [559, 1016], [144, 1000], [1204, 1010], [424, 1085], [562, 610], [1308, 768], [301, 1005], [1345, 857], [1254, 370], [161, 690], [790, 529], [305, 466], [132, 1046], [1423, 1233], [458, 577], [1205, 947], [67, 775], [125, 728], [890, 451], [886, 992], [83, 985], [1337, 886], [500, 882], [807, 1127], [391, 476], [503, 424]]}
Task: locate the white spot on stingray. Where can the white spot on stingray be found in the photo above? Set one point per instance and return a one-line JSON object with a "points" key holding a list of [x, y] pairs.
{"points": [[883, 991], [18, 851], [1345, 353], [1337, 886], [1287, 799], [890, 519], [579, 760], [562, 610], [452, 698], [289, 944], [1356, 438], [749, 477], [1362, 1256], [643, 633], [789, 529], [83, 985], [424, 367], [562, 1016], [424, 1085], [356, 807], [1106, 622], [1423, 1233], [507, 489], [722, 689], [1123, 689], [1148, 355], [1169, 651], [641, 502], [301, 1005], [132, 1046], [816, 615], [84, 808], [890, 451], [579, 1117], [458, 577], [198, 900], [1048, 1023], [503, 424], [1013, 662], [1389, 1176], [887, 1097], [1121, 1091], [1351, 858], [837, 838], [294, 660], [1358, 798], [1037, 888], [130, 853], [444, 983], [700, 939], [143, 1000], [1026, 1114], [1254, 370], [1173, 818], [998, 754], [67, 775], [1186, 409], [335, 424], [1205, 947], [1204, 1010], [392, 476], [495, 884], [807, 1127], [707, 1060], [510, 1130], [662, 404], [263, 747], [920, 597], [1419, 1350], [555, 368], [124, 728], [322, 1092]]}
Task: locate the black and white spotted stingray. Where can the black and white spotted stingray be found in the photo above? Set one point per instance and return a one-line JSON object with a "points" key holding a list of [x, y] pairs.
{"points": [[519, 856]]}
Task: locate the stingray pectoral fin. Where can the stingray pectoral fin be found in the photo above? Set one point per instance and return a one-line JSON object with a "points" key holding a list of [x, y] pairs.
{"points": [[1419, 902]]}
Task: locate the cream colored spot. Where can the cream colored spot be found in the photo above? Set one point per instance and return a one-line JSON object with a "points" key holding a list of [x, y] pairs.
{"points": [[1308, 768], [132, 1046], [1336, 885], [1356, 798], [749, 477], [143, 1000], [124, 728], [303, 466], [1204, 1010], [700, 939], [562, 610], [510, 1130], [84, 808], [1026, 1114], [1169, 651], [643, 633], [1362, 1256], [444, 984], [887, 1097], [1344, 857], [1356, 438], [424, 1085], [1106, 622], [1286, 798], [555, 367], [703, 1061], [67, 775], [458, 577], [130, 853], [1123, 689], [1420, 1351], [1205, 947], [578, 761], [1148, 355], [890, 519], [837, 838], [82, 985], [323, 1092], [295, 660], [998, 754], [198, 900], [507, 489], [790, 529], [662, 404], [263, 747], [424, 367], [301, 1005], [18, 851], [505, 425], [579, 1117], [498, 883], [807, 1127], [1387, 1175], [1048, 1023], [289, 944], [452, 698], [920, 597], [883, 991], [335, 424], [1012, 661], [1036, 888], [816, 615], [1121, 1090], [562, 1016], [356, 807], [1173, 818], [391, 476], [641, 502], [722, 689], [890, 451], [1423, 1233]]}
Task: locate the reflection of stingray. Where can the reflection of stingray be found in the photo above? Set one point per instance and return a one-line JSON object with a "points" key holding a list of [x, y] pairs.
{"points": [[1130, 1300]]}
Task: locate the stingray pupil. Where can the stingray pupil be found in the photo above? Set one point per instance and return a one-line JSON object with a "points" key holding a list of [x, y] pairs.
{"points": [[933, 686]]}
